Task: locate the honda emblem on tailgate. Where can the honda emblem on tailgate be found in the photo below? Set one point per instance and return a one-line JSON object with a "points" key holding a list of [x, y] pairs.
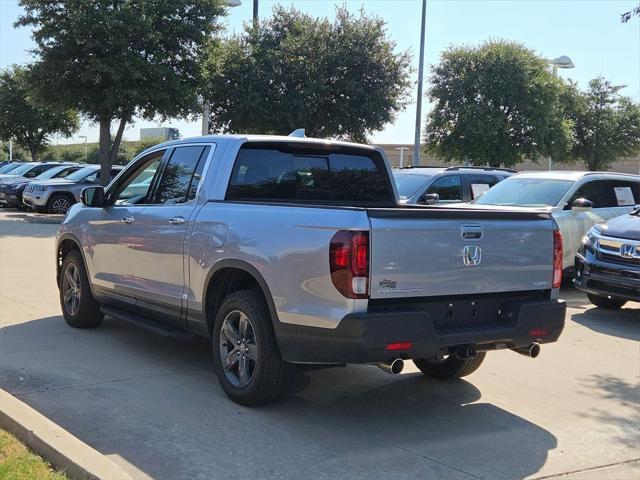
{"points": [[471, 255]]}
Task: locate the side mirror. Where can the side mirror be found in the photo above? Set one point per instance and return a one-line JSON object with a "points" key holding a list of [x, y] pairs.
{"points": [[429, 199], [93, 197], [581, 204]]}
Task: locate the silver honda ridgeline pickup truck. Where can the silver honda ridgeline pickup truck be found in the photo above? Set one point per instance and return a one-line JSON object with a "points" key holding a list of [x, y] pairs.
{"points": [[287, 252]]}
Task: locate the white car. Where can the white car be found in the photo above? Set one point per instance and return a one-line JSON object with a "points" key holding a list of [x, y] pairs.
{"points": [[577, 200]]}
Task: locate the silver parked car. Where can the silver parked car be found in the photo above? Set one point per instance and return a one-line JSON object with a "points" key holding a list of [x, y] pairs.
{"points": [[57, 195], [577, 200]]}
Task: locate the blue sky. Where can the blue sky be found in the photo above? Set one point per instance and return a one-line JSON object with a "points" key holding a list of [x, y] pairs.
{"points": [[589, 32]]}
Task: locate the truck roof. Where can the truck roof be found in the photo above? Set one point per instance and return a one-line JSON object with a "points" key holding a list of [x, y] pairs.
{"points": [[264, 138]]}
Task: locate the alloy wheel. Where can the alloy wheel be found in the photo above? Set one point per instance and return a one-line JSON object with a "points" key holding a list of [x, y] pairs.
{"points": [[61, 206], [238, 349], [71, 289]]}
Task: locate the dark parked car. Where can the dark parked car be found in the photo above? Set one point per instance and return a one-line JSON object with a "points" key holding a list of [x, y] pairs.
{"points": [[608, 262], [11, 189], [432, 185]]}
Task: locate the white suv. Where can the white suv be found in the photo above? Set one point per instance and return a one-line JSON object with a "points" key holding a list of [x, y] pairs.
{"points": [[577, 200]]}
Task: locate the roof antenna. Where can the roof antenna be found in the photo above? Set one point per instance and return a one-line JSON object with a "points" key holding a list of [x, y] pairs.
{"points": [[298, 133]]}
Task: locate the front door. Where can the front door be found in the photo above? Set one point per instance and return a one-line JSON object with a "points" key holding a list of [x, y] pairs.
{"points": [[163, 224], [116, 236]]}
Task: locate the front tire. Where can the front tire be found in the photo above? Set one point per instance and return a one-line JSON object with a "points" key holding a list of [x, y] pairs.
{"points": [[247, 359], [79, 308], [451, 367], [610, 303], [59, 204]]}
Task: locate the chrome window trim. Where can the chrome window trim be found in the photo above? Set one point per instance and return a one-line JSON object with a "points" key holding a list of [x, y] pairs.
{"points": [[166, 148]]}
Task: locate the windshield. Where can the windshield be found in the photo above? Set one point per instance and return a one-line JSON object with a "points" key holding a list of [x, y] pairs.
{"points": [[22, 169], [526, 192], [52, 172], [81, 174], [408, 184], [10, 166]]}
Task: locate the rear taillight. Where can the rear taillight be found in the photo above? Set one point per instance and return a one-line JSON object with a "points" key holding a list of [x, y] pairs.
{"points": [[349, 263], [557, 259]]}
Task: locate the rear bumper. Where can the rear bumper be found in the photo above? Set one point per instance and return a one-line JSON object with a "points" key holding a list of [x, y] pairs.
{"points": [[363, 337], [598, 277]]}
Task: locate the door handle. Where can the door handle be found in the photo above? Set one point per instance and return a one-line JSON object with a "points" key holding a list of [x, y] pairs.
{"points": [[128, 220], [177, 220]]}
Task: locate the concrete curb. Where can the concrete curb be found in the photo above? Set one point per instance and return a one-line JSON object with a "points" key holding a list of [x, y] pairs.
{"points": [[37, 218], [64, 451]]}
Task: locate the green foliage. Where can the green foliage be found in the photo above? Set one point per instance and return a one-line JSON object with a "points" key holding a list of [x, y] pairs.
{"points": [[113, 59], [496, 104], [339, 79], [626, 16], [25, 117], [19, 153], [607, 125], [76, 152]]}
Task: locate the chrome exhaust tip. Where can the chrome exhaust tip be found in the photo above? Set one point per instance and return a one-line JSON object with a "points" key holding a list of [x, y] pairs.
{"points": [[531, 351], [394, 367]]}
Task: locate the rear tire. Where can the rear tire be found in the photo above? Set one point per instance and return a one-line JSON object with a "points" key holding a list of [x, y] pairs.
{"points": [[79, 308], [243, 338], [452, 367], [611, 303], [59, 204]]}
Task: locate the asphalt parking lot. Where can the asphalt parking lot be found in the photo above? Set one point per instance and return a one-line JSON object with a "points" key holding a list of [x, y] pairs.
{"points": [[153, 405]]}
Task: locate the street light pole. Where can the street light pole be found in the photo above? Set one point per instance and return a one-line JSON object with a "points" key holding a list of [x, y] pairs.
{"points": [[255, 11], [85, 147], [560, 62], [416, 144]]}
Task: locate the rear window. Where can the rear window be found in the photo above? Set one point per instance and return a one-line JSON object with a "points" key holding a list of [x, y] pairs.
{"points": [[308, 175]]}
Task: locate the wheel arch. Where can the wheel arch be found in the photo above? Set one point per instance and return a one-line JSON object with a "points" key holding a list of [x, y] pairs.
{"points": [[67, 243], [228, 276]]}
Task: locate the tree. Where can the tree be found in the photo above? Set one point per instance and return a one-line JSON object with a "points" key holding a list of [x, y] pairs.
{"points": [[626, 16], [26, 118], [335, 79], [496, 104], [606, 124], [113, 59]]}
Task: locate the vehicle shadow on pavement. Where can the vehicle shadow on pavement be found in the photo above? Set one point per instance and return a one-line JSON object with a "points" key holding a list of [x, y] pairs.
{"points": [[154, 404], [623, 323]]}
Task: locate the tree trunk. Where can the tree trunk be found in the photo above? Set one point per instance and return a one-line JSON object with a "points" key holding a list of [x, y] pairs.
{"points": [[34, 150], [115, 147], [104, 152]]}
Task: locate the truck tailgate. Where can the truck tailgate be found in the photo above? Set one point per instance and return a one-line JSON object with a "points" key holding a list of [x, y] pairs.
{"points": [[424, 252]]}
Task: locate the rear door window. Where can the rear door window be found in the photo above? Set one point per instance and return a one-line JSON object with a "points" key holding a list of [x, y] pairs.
{"points": [[608, 193], [307, 175], [480, 184]]}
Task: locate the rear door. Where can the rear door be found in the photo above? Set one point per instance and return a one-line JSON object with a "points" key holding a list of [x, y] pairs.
{"points": [[445, 252]]}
